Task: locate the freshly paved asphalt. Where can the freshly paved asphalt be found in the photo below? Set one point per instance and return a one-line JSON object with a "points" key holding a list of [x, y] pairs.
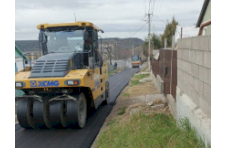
{"points": [[76, 138]]}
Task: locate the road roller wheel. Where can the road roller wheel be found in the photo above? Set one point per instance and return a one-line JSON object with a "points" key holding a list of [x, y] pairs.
{"points": [[57, 111], [41, 114], [107, 93], [77, 112], [46, 114], [25, 113]]}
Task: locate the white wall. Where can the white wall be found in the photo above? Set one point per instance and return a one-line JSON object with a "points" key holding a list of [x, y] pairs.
{"points": [[19, 63], [193, 94]]}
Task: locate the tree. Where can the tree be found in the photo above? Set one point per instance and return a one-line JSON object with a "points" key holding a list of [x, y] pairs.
{"points": [[145, 48], [109, 51], [155, 39], [155, 44], [169, 32]]}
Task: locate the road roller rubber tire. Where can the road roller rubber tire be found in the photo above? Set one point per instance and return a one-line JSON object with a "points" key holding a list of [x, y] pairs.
{"points": [[41, 114], [107, 93], [57, 114], [25, 113], [77, 112]]}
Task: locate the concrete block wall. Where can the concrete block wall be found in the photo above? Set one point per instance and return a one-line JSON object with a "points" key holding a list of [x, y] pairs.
{"points": [[194, 83], [194, 70]]}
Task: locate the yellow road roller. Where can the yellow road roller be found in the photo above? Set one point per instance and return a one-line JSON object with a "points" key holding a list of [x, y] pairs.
{"points": [[68, 80], [136, 61]]}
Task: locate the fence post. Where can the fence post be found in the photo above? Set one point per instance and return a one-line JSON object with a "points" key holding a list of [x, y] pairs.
{"points": [[165, 43], [171, 75]]}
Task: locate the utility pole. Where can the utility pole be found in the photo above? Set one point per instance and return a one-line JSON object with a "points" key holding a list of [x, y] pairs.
{"points": [[149, 43], [75, 16], [171, 74], [181, 32], [165, 43]]}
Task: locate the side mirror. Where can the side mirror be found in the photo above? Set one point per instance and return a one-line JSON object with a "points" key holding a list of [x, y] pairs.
{"points": [[91, 62], [86, 34]]}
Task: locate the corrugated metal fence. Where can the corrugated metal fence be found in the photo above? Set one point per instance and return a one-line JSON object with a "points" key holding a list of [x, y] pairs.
{"points": [[163, 67]]}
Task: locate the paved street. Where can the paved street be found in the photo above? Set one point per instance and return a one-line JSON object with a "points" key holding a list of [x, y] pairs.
{"points": [[76, 138]]}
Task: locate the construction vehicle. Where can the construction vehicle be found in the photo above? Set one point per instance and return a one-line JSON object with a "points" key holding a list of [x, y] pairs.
{"points": [[68, 80], [136, 61]]}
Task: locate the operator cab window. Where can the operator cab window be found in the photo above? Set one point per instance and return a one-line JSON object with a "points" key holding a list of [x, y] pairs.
{"points": [[65, 41]]}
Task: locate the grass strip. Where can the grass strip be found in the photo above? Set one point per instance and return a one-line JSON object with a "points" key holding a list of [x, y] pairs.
{"points": [[156, 130]]}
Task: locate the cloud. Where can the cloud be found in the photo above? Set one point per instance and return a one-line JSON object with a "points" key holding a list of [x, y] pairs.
{"points": [[115, 17]]}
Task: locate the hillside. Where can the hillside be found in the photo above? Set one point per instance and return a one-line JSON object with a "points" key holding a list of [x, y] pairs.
{"points": [[126, 43], [27, 45]]}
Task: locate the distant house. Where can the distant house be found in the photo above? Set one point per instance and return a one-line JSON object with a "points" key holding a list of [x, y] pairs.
{"points": [[19, 65], [204, 20]]}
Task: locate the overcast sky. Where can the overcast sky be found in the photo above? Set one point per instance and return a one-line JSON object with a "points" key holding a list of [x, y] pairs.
{"points": [[118, 18]]}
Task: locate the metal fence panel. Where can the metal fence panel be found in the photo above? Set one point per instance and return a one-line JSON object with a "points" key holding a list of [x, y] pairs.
{"points": [[163, 68]]}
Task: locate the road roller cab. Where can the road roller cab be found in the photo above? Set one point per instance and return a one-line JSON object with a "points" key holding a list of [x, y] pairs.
{"points": [[136, 61], [70, 77]]}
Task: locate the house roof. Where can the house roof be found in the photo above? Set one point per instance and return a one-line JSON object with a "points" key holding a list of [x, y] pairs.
{"points": [[204, 7], [19, 53]]}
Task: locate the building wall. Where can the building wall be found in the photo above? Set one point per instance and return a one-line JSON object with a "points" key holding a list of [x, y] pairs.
{"points": [[194, 83], [207, 17], [19, 66], [19, 63]]}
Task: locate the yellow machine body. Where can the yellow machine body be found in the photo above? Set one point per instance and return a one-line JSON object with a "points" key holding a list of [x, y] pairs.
{"points": [[96, 81], [93, 79]]}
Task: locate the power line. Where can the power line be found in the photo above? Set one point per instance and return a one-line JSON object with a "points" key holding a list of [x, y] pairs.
{"points": [[160, 6], [160, 19], [136, 32], [137, 24], [153, 6], [139, 29], [156, 5], [145, 6], [149, 6], [187, 25]]}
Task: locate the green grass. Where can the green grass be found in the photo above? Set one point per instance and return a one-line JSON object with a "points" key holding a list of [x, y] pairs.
{"points": [[140, 76], [113, 121], [111, 72], [135, 79], [121, 110], [126, 94], [156, 130], [134, 82]]}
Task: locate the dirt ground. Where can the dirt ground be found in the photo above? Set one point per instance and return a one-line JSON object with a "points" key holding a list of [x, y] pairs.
{"points": [[132, 99]]}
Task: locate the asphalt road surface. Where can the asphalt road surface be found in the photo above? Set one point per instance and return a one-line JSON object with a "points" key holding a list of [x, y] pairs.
{"points": [[76, 138]]}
